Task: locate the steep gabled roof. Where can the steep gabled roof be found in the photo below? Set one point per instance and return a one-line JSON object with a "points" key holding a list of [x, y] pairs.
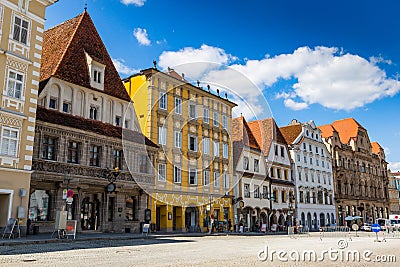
{"points": [[327, 130], [265, 131], [63, 56], [241, 132], [98, 127], [347, 129], [291, 132], [376, 148]]}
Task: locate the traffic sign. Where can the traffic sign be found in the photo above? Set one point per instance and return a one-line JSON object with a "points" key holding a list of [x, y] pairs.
{"points": [[376, 228], [70, 193]]}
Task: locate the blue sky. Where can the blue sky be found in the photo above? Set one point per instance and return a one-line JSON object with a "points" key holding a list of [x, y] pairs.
{"points": [[310, 60]]}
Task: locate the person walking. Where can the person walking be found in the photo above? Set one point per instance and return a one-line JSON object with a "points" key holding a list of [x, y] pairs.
{"points": [[229, 225], [211, 224]]}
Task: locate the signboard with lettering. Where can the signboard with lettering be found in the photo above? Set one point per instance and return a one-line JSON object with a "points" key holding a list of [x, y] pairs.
{"points": [[70, 228]]}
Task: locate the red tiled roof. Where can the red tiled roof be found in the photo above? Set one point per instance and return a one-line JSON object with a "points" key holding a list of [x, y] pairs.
{"points": [[98, 127], [242, 132], [173, 73], [347, 129], [63, 56], [327, 130], [291, 132], [265, 131], [376, 148]]}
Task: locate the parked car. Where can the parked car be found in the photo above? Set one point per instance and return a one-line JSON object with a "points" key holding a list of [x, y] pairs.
{"points": [[366, 227]]}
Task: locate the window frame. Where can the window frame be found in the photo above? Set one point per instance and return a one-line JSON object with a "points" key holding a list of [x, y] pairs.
{"points": [[162, 178], [94, 155], [178, 105], [12, 92], [46, 146], [206, 115], [162, 135], [178, 139], [10, 139], [20, 30], [73, 150], [195, 143], [225, 150], [163, 100], [207, 178], [195, 181], [177, 175]]}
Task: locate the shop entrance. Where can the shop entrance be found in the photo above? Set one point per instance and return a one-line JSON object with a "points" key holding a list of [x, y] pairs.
{"points": [[90, 213]]}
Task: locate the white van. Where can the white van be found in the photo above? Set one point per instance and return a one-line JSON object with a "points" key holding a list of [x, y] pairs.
{"points": [[394, 220]]}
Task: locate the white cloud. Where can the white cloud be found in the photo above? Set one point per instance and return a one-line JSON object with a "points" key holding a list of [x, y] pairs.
{"points": [[289, 103], [323, 75], [380, 59], [133, 2], [142, 36], [394, 166], [206, 57], [122, 68]]}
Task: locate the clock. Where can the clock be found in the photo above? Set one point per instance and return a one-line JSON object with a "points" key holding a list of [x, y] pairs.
{"points": [[111, 187]]}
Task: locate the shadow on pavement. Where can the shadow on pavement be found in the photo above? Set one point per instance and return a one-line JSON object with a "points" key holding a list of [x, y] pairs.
{"points": [[91, 244]]}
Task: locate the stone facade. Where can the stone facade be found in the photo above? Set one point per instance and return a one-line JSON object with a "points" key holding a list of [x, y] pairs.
{"points": [[359, 172]]}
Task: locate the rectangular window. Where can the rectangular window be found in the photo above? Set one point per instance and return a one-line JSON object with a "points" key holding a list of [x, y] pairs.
{"points": [[310, 147], [15, 84], [177, 174], [162, 102], [111, 204], [215, 119], [192, 177], [117, 121], [178, 139], [143, 163], [206, 146], [304, 146], [256, 191], [246, 190], [216, 180], [131, 209], [316, 149], [265, 192], [275, 196], [276, 150], [162, 135], [192, 143], [73, 152], [162, 172], [298, 157], [286, 174], [49, 148], [305, 159], [226, 181], [206, 115], [225, 150], [323, 164], [282, 152], [301, 197], [67, 107], [93, 113], [225, 122], [9, 142], [126, 124], [317, 162], [206, 178], [278, 172], [256, 165], [216, 149], [246, 163], [192, 110], [178, 105], [117, 154], [21, 28], [94, 155], [95, 75], [272, 172], [311, 161], [53, 103]]}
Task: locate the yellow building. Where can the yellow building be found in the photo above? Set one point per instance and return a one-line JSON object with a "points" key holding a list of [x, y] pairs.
{"points": [[192, 127], [21, 32]]}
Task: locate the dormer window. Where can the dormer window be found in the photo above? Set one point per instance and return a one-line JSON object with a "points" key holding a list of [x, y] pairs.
{"points": [[96, 72], [117, 121]]}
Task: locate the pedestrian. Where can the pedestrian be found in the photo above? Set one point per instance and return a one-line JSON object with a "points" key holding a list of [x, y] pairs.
{"points": [[211, 224], [229, 225]]}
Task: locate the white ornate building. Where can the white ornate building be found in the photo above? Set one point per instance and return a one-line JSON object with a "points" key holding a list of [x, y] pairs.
{"points": [[312, 173]]}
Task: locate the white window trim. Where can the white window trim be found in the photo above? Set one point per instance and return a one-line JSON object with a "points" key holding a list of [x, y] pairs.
{"points": [[177, 174], [9, 138], [216, 180], [216, 148], [15, 81], [224, 121], [163, 96], [209, 178], [226, 180], [206, 119], [225, 150], [162, 135], [195, 110], [206, 146], [195, 144], [215, 118], [160, 177], [28, 34], [195, 176], [178, 107], [178, 139]]}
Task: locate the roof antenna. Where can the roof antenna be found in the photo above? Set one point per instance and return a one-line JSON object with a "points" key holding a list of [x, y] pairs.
{"points": [[85, 7]]}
